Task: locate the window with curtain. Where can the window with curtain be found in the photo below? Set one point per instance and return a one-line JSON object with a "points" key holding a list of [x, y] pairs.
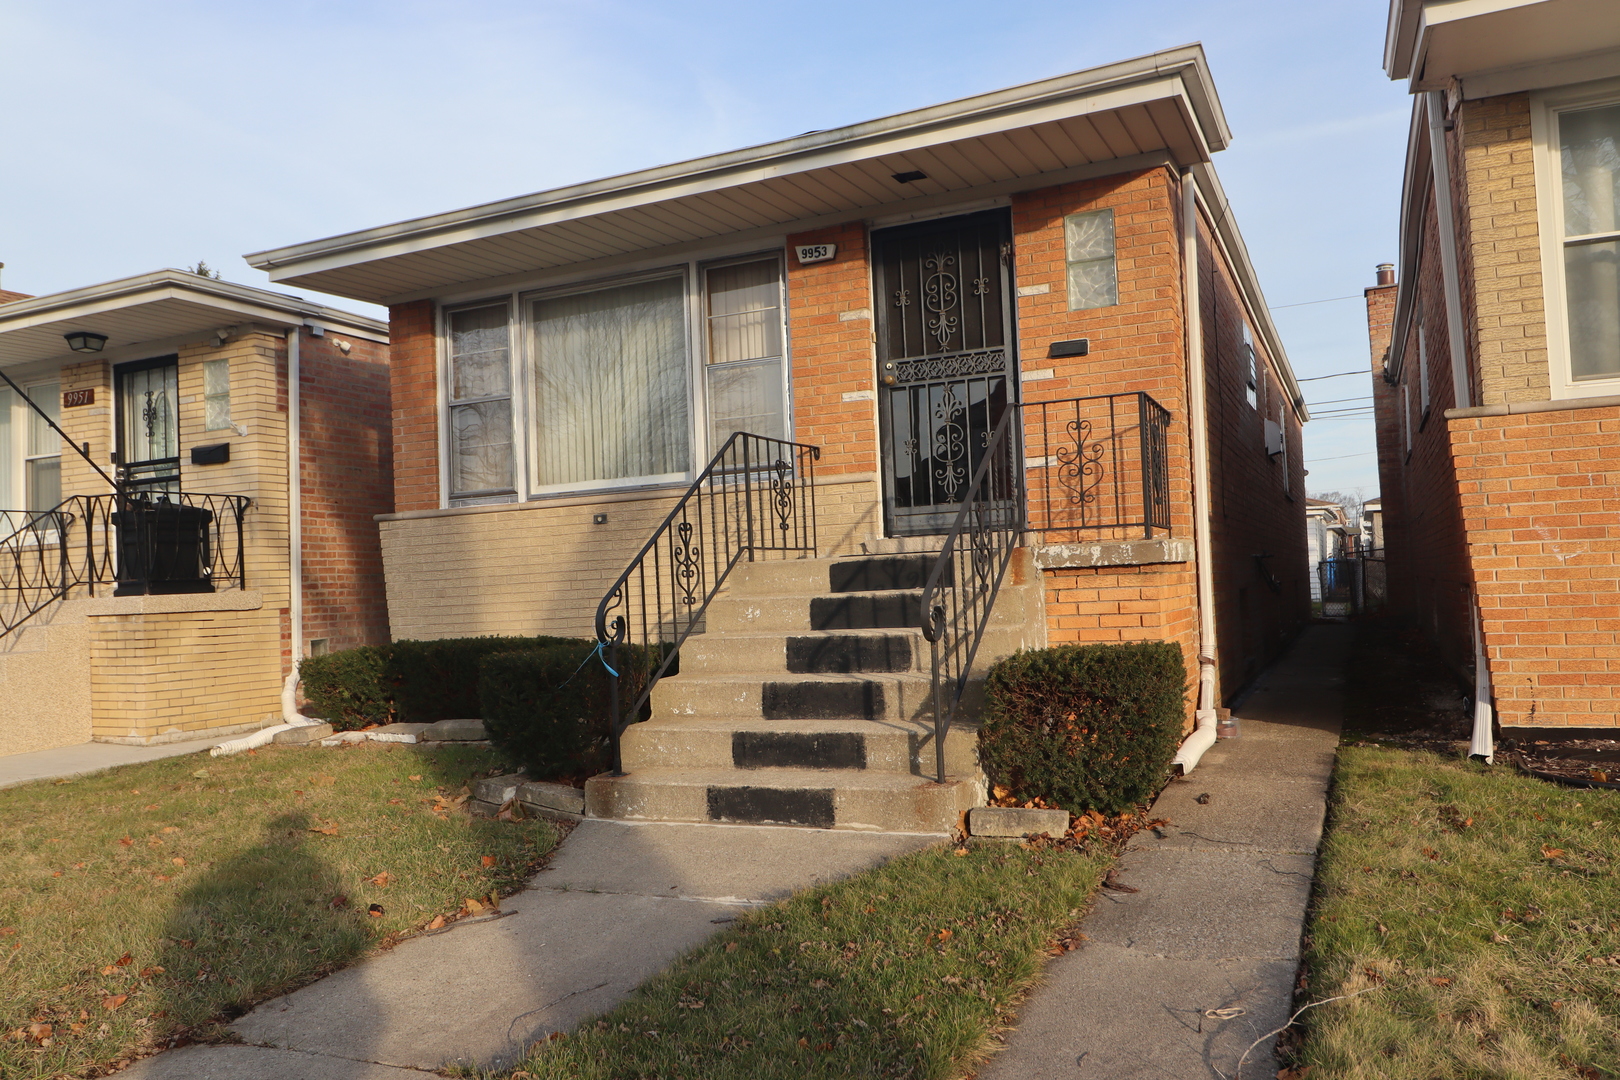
{"points": [[480, 393], [743, 309], [1089, 250], [42, 463], [1589, 153], [611, 389]]}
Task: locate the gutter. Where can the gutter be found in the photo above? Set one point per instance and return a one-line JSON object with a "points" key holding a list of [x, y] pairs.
{"points": [[1203, 734], [1440, 169]]}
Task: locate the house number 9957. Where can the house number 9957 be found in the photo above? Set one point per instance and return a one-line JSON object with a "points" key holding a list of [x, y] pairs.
{"points": [[814, 253]]}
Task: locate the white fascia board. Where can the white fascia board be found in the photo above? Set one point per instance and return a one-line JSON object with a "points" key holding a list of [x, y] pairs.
{"points": [[1254, 299], [1400, 36], [1178, 73], [234, 302]]}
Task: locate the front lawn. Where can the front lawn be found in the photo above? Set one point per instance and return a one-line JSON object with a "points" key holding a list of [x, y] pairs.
{"points": [[142, 905], [907, 970], [1475, 914]]}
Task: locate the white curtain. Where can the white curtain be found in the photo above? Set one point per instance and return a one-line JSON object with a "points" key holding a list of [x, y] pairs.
{"points": [[611, 384], [745, 350]]}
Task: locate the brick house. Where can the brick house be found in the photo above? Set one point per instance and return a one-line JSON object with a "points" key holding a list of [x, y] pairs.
{"points": [[171, 612], [565, 364], [1496, 358]]}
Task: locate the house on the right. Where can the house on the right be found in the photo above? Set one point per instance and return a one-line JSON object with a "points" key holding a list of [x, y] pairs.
{"points": [[1496, 356]]}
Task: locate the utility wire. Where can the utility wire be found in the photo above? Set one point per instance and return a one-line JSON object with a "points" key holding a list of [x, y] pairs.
{"points": [[1308, 303], [1341, 457], [1335, 401], [1340, 375]]}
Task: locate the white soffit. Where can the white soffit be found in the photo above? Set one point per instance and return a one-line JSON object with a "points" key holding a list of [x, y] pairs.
{"points": [[1430, 42], [1162, 103], [159, 306]]}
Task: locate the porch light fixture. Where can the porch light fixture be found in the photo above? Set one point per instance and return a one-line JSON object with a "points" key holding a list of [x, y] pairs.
{"points": [[85, 341]]}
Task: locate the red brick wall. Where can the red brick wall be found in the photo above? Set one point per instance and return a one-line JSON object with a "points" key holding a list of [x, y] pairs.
{"points": [[830, 329], [1539, 493], [415, 367], [347, 461], [1262, 593]]}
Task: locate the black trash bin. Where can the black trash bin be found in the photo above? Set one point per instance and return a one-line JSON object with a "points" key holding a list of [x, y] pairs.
{"points": [[163, 547]]}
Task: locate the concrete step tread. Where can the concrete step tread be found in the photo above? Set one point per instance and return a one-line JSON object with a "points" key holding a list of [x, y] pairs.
{"points": [[814, 727], [780, 779], [756, 678]]}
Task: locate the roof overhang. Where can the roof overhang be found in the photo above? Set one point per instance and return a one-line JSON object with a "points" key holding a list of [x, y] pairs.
{"points": [[1162, 105], [1430, 43], [157, 307]]}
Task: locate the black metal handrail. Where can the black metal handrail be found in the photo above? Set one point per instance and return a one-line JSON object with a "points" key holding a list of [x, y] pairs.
{"points": [[756, 497], [967, 575], [35, 567], [138, 542], [1098, 466]]}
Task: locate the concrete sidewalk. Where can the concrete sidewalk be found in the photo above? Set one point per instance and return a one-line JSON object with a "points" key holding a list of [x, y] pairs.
{"points": [[90, 757], [616, 906], [1216, 924]]}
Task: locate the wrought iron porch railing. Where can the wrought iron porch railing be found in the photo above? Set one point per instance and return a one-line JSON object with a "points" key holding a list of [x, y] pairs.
{"points": [[138, 543], [1098, 467], [755, 498], [967, 576], [1092, 467]]}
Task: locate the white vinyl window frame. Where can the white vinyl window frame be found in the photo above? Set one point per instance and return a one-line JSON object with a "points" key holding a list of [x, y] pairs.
{"points": [[1545, 109], [15, 455], [447, 404], [521, 344], [705, 343]]}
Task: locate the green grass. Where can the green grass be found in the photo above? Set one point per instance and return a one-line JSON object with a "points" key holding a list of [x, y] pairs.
{"points": [[907, 970], [192, 888], [1475, 912]]}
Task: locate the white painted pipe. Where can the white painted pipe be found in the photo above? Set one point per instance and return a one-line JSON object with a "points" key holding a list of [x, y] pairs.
{"points": [[1203, 734], [295, 511], [1483, 743]]}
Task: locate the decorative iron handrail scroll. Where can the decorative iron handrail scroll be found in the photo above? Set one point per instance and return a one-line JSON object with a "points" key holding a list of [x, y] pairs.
{"points": [[1098, 467], [138, 542], [967, 575], [755, 499]]}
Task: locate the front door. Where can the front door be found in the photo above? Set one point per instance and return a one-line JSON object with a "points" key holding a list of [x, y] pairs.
{"points": [[148, 393], [945, 360]]}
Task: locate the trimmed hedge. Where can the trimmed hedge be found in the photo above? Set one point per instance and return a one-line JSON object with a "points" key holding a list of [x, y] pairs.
{"points": [[1085, 727], [547, 709], [415, 682]]}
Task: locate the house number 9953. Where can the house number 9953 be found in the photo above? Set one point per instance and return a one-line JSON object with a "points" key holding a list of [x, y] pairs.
{"points": [[814, 253]]}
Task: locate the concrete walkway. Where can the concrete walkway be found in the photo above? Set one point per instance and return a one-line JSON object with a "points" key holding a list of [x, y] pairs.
{"points": [[88, 758], [616, 906], [1216, 924]]}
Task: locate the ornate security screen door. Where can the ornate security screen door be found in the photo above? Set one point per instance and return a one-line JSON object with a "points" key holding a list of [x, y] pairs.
{"points": [[945, 354], [149, 424]]}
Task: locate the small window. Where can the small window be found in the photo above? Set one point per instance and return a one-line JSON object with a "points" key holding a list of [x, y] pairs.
{"points": [[1406, 415], [480, 393], [1251, 369], [1089, 250], [1589, 164], [1423, 367], [1282, 427], [743, 305], [216, 395]]}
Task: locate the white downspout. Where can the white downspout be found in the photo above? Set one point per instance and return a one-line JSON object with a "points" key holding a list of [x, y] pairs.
{"points": [[295, 566], [1203, 735], [1440, 167], [1483, 744]]}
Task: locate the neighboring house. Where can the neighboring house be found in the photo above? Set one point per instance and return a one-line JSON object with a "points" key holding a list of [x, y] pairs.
{"points": [[1496, 357], [1328, 536], [565, 364], [170, 612], [1372, 527]]}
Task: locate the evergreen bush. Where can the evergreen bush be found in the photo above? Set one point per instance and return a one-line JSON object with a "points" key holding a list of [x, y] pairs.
{"points": [[1084, 727], [349, 688]]}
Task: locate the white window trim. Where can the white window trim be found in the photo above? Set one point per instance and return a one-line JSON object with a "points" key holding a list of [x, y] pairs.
{"points": [[1544, 109], [691, 271]]}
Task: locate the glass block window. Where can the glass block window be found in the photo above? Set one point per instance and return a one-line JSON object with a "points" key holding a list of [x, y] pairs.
{"points": [[216, 395], [480, 392], [1089, 250]]}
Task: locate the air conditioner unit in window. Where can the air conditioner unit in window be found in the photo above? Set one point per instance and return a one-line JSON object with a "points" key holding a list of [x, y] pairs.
{"points": [[1274, 438]]}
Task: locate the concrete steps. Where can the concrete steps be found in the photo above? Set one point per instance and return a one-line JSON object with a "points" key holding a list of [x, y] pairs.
{"points": [[807, 701]]}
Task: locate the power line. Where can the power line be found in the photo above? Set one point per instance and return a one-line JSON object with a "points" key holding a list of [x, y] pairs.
{"points": [[1341, 457], [1340, 375], [1308, 303], [1335, 401]]}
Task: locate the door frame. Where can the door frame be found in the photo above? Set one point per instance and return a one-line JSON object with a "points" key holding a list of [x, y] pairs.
{"points": [[120, 374]]}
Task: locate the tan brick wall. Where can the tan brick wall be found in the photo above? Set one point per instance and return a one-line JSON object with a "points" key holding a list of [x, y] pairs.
{"points": [[1503, 249], [1538, 495]]}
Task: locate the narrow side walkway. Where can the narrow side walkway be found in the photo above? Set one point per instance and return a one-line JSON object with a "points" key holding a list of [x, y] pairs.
{"points": [[616, 906], [88, 758], [1216, 924]]}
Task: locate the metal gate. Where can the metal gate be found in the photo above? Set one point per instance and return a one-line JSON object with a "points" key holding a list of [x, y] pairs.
{"points": [[945, 361]]}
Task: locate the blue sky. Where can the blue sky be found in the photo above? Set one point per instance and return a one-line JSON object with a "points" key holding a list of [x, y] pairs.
{"points": [[146, 135]]}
